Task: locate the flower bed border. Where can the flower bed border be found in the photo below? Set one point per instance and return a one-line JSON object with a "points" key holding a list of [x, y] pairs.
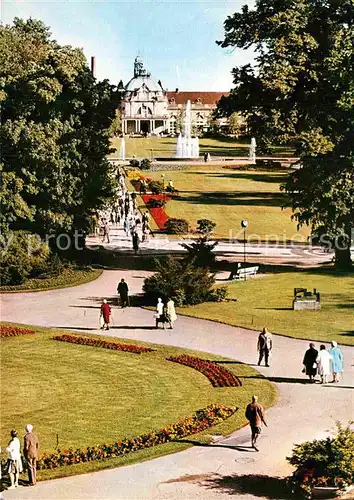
{"points": [[218, 375], [93, 342], [8, 331], [198, 422]]}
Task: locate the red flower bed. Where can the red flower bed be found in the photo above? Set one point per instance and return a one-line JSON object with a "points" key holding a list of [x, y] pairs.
{"points": [[14, 331], [74, 339], [201, 420], [218, 375], [159, 215]]}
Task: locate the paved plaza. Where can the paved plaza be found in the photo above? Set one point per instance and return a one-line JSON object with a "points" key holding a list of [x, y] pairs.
{"points": [[303, 411]]}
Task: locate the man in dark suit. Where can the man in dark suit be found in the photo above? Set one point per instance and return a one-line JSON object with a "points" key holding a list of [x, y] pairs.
{"points": [[123, 290], [30, 451]]}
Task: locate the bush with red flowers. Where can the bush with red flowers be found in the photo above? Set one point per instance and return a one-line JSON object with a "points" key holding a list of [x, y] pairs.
{"points": [[116, 346], [14, 331], [218, 375], [201, 420]]}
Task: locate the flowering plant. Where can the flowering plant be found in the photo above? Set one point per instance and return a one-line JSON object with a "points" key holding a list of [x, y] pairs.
{"points": [[201, 420], [14, 331], [218, 375], [92, 342]]}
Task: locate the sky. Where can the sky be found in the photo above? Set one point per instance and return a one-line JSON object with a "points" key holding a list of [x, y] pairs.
{"points": [[175, 38]]}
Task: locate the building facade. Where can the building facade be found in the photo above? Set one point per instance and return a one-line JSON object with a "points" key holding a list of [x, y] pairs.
{"points": [[147, 108]]}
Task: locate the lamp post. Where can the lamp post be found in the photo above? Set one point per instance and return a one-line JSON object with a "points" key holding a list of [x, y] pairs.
{"points": [[244, 225]]}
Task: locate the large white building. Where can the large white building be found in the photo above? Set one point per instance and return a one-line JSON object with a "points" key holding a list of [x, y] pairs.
{"points": [[147, 108]]}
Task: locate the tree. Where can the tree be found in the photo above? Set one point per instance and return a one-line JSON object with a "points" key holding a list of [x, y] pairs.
{"points": [[300, 91], [200, 252], [54, 132], [116, 126], [205, 226], [234, 124]]}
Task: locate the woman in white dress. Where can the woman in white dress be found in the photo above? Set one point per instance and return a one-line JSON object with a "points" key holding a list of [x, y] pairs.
{"points": [[171, 313], [159, 312], [14, 463], [324, 363]]}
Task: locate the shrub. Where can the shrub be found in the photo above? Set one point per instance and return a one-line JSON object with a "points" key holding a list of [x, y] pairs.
{"points": [[176, 226], [25, 256], [145, 164], [325, 462], [205, 226], [201, 252], [156, 203], [181, 281], [155, 187], [134, 163], [219, 294]]}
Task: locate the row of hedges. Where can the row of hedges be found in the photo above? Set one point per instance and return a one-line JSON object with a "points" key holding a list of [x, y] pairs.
{"points": [[201, 420], [14, 331], [218, 375], [116, 346]]}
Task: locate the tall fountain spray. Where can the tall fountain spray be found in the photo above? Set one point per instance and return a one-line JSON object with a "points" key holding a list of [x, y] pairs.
{"points": [[187, 146], [252, 153], [122, 149]]}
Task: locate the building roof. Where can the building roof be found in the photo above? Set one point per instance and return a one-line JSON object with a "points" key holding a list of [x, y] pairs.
{"points": [[181, 97], [137, 82]]}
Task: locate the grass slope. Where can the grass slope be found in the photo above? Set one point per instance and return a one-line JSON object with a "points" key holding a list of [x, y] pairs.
{"points": [[89, 396], [267, 301], [228, 196]]}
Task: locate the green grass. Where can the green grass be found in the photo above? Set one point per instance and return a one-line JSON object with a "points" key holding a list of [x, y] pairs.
{"points": [[89, 396], [227, 196], [69, 277], [267, 301], [154, 147]]}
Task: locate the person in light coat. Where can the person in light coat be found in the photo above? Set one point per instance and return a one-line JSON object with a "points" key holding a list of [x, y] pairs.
{"points": [[324, 363], [14, 462], [159, 315], [171, 312], [337, 361]]}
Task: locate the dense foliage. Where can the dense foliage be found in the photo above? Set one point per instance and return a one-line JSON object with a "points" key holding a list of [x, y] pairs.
{"points": [[54, 133], [300, 91], [177, 226], [181, 281], [200, 252], [205, 226], [325, 462]]}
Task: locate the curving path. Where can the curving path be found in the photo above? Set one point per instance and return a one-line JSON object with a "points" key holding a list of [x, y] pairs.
{"points": [[303, 411]]}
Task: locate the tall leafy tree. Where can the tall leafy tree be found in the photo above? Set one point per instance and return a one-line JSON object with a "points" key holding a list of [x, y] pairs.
{"points": [[301, 90], [54, 132]]}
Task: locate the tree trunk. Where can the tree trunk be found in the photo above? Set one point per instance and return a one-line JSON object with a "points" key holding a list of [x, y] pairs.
{"points": [[343, 259]]}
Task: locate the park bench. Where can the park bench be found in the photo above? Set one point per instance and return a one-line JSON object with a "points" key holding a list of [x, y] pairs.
{"points": [[243, 273]]}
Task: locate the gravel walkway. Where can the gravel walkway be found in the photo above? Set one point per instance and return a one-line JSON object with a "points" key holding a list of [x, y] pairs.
{"points": [[303, 411]]}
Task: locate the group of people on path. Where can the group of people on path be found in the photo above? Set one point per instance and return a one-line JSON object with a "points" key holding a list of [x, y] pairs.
{"points": [[14, 465], [324, 363], [165, 313]]}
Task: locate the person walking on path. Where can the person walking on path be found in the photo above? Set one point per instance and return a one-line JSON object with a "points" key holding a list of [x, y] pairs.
{"points": [[309, 362], [337, 360], [160, 313], [324, 363], [135, 241], [123, 291], [255, 415], [106, 231], [30, 451], [264, 346], [14, 463], [171, 312], [105, 315]]}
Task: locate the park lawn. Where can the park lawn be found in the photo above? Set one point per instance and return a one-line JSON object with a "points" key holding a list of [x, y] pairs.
{"points": [[83, 396], [227, 196], [159, 147], [266, 301]]}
